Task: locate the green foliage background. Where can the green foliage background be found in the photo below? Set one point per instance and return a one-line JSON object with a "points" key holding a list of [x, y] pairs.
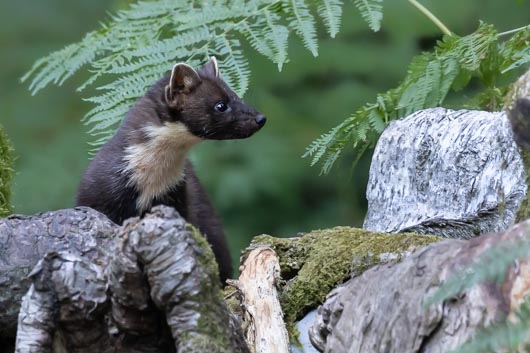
{"points": [[260, 185]]}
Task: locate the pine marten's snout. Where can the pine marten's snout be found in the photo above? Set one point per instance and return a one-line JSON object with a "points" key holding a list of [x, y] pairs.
{"points": [[243, 127], [261, 120]]}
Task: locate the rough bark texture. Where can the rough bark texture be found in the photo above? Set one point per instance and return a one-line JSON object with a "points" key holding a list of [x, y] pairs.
{"points": [[24, 240], [455, 174], [64, 310], [459, 176], [155, 290], [258, 288], [182, 276], [383, 309]]}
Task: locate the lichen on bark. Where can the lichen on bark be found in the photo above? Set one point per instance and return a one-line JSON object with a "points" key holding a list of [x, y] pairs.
{"points": [[315, 263], [6, 173]]}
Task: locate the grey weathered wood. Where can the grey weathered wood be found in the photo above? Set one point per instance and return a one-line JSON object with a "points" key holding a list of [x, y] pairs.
{"points": [[64, 307], [152, 287], [456, 174], [257, 286], [383, 309], [164, 254], [24, 240]]}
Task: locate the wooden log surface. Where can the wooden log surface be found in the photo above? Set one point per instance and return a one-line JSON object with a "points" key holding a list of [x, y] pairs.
{"points": [[24, 240], [153, 289], [265, 329]]}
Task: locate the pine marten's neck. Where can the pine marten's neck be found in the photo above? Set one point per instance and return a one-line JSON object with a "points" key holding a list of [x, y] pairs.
{"points": [[156, 165], [155, 152]]}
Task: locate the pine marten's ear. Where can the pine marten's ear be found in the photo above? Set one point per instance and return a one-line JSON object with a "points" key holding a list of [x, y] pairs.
{"points": [[183, 79], [210, 68]]}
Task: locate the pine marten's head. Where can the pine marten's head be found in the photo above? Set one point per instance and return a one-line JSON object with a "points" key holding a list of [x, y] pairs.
{"points": [[204, 103], [177, 112]]}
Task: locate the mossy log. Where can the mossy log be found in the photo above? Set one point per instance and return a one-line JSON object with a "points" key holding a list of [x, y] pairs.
{"points": [[149, 286], [383, 310], [314, 263]]}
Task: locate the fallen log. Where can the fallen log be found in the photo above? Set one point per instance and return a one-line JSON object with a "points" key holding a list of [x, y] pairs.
{"points": [[154, 290], [384, 309]]}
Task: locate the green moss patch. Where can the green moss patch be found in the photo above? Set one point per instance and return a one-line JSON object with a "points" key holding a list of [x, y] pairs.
{"points": [[6, 173]]}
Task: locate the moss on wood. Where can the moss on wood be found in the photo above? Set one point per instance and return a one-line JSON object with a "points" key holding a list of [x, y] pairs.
{"points": [[524, 208], [211, 298], [6, 173], [317, 262]]}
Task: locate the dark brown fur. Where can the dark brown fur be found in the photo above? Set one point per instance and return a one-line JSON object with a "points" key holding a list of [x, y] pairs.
{"points": [[188, 98]]}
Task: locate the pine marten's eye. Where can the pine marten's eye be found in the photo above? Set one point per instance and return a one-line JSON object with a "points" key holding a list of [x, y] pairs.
{"points": [[221, 107]]}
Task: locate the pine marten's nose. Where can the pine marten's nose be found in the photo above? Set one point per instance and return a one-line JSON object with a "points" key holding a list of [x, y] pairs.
{"points": [[261, 119]]}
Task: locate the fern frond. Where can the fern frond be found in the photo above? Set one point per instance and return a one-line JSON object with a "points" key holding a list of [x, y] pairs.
{"points": [[268, 37], [303, 23], [371, 11], [142, 42], [331, 12], [51, 68], [428, 81], [279, 39], [470, 50], [237, 72], [516, 51], [431, 87]]}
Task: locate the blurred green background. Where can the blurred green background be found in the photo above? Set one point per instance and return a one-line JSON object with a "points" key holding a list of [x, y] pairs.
{"points": [[259, 185]]}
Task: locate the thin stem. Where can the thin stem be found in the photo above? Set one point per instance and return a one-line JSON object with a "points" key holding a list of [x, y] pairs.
{"points": [[431, 17], [512, 31]]}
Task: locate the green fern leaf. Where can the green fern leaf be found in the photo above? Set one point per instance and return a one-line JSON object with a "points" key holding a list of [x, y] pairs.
{"points": [[236, 72], [427, 83], [371, 11], [268, 37], [303, 23], [470, 50], [138, 45], [516, 51], [431, 87], [280, 35], [331, 12]]}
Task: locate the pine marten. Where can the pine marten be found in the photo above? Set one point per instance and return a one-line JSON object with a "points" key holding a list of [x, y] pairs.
{"points": [[144, 164]]}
